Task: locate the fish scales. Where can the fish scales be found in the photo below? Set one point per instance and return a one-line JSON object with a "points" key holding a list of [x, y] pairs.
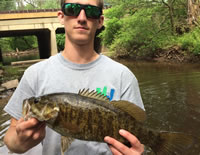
{"points": [[89, 121], [92, 117]]}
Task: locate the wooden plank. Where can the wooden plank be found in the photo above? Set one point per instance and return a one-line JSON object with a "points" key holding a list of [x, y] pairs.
{"points": [[26, 62]]}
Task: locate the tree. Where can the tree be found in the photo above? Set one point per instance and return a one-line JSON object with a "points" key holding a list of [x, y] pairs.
{"points": [[37, 4], [140, 27], [193, 12], [6, 5], [43, 4], [23, 42], [170, 6]]}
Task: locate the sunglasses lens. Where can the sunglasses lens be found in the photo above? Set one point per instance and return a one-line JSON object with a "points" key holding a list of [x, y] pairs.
{"points": [[76, 8], [92, 12], [73, 9]]}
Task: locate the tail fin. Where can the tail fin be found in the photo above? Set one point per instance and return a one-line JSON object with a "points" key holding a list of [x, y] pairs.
{"points": [[176, 144]]}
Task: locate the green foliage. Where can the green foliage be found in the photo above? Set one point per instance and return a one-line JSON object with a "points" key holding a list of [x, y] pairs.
{"points": [[11, 72], [141, 28], [112, 29], [60, 38], [129, 39], [190, 41], [23, 42], [6, 5], [37, 4], [51, 4], [137, 34], [5, 44], [115, 12]]}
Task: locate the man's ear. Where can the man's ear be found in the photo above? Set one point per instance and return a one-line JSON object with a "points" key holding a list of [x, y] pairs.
{"points": [[101, 21], [61, 17]]}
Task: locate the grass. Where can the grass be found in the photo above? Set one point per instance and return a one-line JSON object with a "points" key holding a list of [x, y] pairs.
{"points": [[11, 73]]}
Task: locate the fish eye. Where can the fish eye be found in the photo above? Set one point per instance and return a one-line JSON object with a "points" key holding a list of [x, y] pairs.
{"points": [[36, 100]]}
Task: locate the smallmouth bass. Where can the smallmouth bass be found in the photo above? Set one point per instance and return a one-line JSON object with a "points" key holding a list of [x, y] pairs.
{"points": [[91, 116]]}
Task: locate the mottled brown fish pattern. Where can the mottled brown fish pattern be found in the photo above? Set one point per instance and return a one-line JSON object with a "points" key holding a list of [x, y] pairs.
{"points": [[91, 116]]}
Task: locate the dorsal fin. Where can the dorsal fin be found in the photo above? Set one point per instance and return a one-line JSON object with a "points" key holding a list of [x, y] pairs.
{"points": [[93, 94], [130, 108]]}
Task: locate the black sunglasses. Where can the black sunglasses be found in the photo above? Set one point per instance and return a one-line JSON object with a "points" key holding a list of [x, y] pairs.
{"points": [[73, 9]]}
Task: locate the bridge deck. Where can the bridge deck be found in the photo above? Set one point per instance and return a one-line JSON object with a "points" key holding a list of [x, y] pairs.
{"points": [[24, 14]]}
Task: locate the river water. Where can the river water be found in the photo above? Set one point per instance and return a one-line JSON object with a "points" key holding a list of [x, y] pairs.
{"points": [[171, 95]]}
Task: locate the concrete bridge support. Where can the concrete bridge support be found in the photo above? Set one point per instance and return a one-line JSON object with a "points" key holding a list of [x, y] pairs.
{"points": [[47, 43], [54, 48], [42, 24]]}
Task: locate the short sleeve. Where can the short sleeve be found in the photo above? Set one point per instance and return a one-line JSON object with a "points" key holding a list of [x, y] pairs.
{"points": [[130, 88]]}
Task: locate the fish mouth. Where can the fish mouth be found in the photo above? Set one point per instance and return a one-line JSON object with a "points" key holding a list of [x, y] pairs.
{"points": [[44, 114]]}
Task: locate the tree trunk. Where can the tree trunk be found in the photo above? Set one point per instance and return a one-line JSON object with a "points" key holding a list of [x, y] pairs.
{"points": [[170, 7], [171, 19], [193, 12], [20, 4]]}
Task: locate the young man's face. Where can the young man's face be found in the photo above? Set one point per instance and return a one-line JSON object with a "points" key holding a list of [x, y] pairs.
{"points": [[81, 30]]}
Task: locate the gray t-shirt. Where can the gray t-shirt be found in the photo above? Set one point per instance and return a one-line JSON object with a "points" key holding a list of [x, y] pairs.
{"points": [[57, 74]]}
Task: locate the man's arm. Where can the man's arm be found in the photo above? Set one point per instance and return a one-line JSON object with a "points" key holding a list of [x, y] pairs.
{"points": [[118, 148], [23, 135]]}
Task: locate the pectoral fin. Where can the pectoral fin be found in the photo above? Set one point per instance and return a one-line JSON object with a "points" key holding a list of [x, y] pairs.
{"points": [[65, 143]]}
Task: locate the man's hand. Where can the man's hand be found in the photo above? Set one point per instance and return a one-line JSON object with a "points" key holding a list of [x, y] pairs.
{"points": [[23, 135], [118, 148]]}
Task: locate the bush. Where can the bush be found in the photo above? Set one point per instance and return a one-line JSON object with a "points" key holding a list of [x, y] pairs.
{"points": [[134, 34], [115, 12], [60, 39], [190, 41], [23, 42], [5, 44], [112, 29], [141, 28]]}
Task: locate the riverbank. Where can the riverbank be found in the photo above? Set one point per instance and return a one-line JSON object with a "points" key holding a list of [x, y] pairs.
{"points": [[172, 55], [169, 55], [176, 55]]}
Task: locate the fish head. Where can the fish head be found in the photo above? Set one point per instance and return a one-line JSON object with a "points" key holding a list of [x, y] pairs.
{"points": [[40, 108]]}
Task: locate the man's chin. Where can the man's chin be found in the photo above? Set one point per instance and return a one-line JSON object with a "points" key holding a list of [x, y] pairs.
{"points": [[82, 41]]}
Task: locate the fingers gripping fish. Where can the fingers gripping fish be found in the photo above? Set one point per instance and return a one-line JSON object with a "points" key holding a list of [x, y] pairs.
{"points": [[91, 116]]}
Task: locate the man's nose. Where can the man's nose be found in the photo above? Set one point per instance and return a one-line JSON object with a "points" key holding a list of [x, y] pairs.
{"points": [[82, 16]]}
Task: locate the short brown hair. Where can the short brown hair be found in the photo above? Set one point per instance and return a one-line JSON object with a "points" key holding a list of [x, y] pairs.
{"points": [[100, 3]]}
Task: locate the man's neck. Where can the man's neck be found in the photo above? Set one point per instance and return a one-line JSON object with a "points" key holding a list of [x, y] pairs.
{"points": [[80, 54]]}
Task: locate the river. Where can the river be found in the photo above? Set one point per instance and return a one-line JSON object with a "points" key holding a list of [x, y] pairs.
{"points": [[171, 95]]}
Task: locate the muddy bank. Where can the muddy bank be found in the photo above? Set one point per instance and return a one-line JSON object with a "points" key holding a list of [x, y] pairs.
{"points": [[172, 54], [176, 55], [4, 121]]}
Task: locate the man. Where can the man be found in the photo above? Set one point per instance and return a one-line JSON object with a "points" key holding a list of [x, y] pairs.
{"points": [[77, 67]]}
